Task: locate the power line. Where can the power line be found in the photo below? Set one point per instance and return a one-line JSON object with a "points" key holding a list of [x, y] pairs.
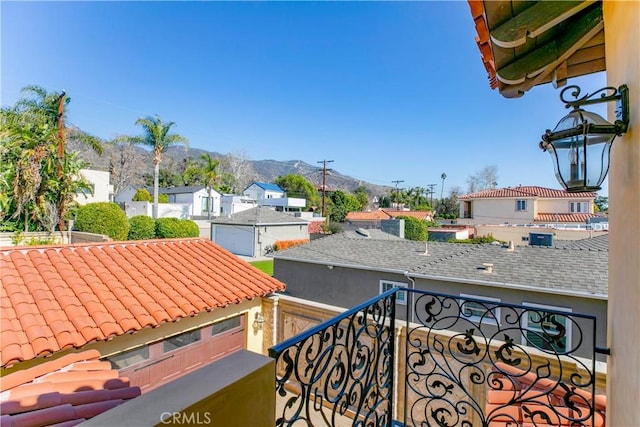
{"points": [[397, 191], [324, 181], [431, 191]]}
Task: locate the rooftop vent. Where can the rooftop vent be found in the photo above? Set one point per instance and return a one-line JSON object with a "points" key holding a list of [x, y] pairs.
{"points": [[362, 232], [488, 267]]}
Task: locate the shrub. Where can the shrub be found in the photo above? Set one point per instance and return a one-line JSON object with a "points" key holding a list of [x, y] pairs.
{"points": [[414, 228], [102, 218], [142, 227], [142, 195], [281, 245], [163, 198], [477, 240], [169, 228]]}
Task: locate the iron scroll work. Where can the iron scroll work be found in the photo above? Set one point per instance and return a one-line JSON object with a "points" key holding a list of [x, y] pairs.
{"points": [[472, 362], [463, 362], [341, 370]]}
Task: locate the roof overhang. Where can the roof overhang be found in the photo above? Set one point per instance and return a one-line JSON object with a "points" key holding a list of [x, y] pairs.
{"points": [[527, 43]]}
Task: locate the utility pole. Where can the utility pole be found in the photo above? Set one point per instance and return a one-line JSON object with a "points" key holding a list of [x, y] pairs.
{"points": [[60, 118], [431, 191], [397, 191], [324, 181]]}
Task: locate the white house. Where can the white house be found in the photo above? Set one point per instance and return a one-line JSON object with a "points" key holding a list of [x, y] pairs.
{"points": [[526, 205], [271, 195], [184, 202], [101, 190], [231, 204]]}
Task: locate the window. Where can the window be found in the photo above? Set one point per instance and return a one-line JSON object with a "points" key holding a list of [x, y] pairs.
{"points": [[579, 207], [226, 325], [521, 205], [545, 330], [180, 340], [476, 311], [401, 297], [128, 358], [205, 204]]}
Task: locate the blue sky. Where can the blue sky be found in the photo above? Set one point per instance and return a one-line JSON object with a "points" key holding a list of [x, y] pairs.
{"points": [[388, 90]]}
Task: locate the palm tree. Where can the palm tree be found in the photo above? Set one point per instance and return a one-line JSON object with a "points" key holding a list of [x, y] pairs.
{"points": [[443, 176], [156, 134], [210, 173]]}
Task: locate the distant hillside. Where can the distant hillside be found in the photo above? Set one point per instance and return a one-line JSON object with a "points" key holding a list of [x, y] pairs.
{"points": [[257, 170]]}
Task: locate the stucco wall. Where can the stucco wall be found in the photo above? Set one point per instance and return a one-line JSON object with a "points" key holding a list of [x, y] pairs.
{"points": [[622, 35], [499, 211], [561, 205]]}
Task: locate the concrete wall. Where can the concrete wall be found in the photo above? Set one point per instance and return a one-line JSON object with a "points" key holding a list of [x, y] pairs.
{"points": [[622, 35], [516, 234], [165, 210]]}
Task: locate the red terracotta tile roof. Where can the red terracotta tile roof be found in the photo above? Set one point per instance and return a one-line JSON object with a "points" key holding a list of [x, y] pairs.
{"points": [[519, 398], [425, 215], [69, 390], [58, 297], [367, 216], [527, 191], [575, 217]]}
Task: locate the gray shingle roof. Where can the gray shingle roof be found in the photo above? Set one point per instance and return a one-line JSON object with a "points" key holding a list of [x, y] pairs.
{"points": [[259, 216], [599, 243], [556, 269]]}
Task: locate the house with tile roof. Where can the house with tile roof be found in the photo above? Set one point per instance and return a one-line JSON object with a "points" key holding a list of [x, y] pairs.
{"points": [[343, 271], [251, 232], [374, 218], [526, 205], [155, 309]]}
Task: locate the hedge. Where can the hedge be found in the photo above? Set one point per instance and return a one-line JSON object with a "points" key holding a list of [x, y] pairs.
{"points": [[169, 228], [142, 195], [286, 244], [102, 218], [142, 227], [414, 228]]}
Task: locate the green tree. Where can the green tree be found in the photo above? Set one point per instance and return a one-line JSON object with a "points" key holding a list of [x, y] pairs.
{"points": [[299, 186], [39, 177], [142, 195], [341, 204], [156, 134], [361, 195], [601, 203], [210, 174]]}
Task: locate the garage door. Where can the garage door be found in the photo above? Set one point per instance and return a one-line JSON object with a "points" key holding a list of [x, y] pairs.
{"points": [[236, 239]]}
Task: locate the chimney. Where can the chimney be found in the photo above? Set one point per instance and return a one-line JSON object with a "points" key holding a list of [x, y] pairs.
{"points": [[488, 267], [511, 247]]}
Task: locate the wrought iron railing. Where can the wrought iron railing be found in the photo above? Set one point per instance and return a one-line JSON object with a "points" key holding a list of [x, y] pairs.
{"points": [[463, 362], [341, 371]]}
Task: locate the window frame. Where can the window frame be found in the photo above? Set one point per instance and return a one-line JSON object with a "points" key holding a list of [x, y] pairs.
{"points": [[497, 321], [524, 205], [129, 352], [401, 297], [168, 340], [542, 308], [225, 322], [579, 207]]}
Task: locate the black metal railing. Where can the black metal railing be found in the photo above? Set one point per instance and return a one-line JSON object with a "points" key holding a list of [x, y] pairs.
{"points": [[463, 362], [341, 370]]}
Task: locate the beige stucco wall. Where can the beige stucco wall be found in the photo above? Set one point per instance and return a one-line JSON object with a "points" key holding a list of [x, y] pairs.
{"points": [[560, 205], [499, 211], [515, 234], [622, 35]]}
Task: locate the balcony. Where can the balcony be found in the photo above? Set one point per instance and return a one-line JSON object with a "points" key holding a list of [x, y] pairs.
{"points": [[447, 362], [439, 360]]}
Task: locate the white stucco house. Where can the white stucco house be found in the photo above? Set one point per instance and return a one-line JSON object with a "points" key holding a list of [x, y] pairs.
{"points": [[101, 190], [272, 195], [526, 205], [250, 232], [184, 202]]}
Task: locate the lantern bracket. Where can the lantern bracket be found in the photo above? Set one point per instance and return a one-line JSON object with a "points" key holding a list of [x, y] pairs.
{"points": [[607, 94]]}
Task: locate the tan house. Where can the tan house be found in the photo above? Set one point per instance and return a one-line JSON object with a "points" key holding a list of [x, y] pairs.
{"points": [[526, 205]]}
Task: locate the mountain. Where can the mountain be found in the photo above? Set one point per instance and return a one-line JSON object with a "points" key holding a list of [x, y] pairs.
{"points": [[251, 170]]}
